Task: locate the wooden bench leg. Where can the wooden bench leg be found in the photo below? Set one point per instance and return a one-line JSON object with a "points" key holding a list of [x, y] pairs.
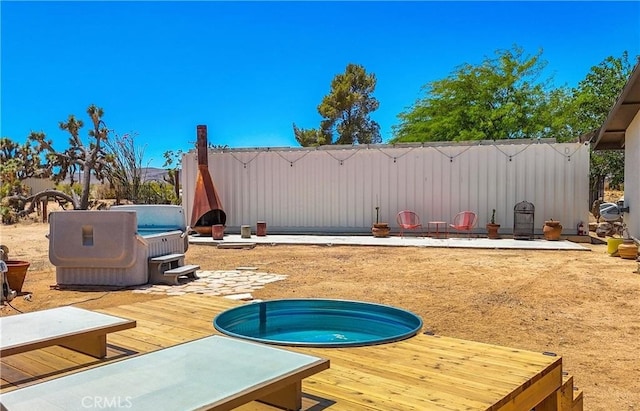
{"points": [[565, 395], [287, 398], [549, 404], [93, 345], [562, 400]]}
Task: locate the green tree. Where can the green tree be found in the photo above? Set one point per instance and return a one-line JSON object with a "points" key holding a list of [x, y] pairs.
{"points": [[593, 99], [345, 111], [17, 163], [310, 137], [91, 159], [503, 97], [596, 94]]}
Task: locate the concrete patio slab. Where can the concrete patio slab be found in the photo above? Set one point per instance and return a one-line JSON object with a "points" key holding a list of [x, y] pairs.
{"points": [[393, 241]]}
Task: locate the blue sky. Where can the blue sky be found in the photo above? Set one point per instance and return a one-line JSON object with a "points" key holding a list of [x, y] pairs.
{"points": [[248, 70]]}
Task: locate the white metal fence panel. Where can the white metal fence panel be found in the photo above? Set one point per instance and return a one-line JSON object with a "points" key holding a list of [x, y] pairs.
{"points": [[37, 185], [335, 189]]}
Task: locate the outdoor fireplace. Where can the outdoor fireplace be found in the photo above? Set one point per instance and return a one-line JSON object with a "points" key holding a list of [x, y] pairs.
{"points": [[211, 217], [523, 214], [207, 207]]}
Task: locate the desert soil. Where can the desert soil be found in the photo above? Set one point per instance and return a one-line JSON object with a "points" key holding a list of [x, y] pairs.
{"points": [[582, 305]]}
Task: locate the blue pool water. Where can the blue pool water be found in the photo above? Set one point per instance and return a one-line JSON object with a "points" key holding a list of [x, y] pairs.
{"points": [[318, 322]]}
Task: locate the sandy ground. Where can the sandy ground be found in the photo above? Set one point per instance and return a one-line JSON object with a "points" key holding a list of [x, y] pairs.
{"points": [[582, 305]]}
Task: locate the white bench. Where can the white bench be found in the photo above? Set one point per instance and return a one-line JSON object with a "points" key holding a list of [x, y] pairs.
{"points": [[71, 327], [212, 373]]}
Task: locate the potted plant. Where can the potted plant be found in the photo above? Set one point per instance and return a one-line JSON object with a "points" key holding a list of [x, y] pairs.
{"points": [[16, 270], [380, 229], [492, 227]]}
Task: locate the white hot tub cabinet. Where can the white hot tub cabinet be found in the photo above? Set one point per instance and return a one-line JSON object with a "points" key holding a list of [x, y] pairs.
{"points": [[113, 247]]}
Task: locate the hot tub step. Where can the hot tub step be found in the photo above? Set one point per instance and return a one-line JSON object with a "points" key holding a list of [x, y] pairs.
{"points": [[183, 270], [172, 275], [157, 266], [166, 258]]}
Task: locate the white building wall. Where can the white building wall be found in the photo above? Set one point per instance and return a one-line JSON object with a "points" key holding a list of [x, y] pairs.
{"points": [[335, 189], [632, 176]]}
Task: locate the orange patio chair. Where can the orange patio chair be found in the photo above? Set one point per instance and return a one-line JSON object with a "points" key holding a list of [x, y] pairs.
{"points": [[464, 221], [408, 220]]}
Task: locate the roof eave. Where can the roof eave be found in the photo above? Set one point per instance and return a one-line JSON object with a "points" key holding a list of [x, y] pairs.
{"points": [[601, 143]]}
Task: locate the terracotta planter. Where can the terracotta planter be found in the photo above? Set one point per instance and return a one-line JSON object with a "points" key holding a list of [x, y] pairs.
{"points": [[217, 231], [492, 231], [16, 274], [628, 249], [380, 230], [552, 230], [261, 228]]}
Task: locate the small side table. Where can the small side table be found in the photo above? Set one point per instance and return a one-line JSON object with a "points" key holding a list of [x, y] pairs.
{"points": [[437, 225]]}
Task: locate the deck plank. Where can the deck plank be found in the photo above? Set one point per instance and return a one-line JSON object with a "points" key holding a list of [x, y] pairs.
{"points": [[421, 373]]}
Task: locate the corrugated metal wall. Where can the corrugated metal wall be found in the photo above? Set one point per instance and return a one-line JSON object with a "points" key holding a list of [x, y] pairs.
{"points": [[335, 189]]}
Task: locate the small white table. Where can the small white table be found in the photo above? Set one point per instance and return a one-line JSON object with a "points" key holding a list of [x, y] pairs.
{"points": [[212, 373]]}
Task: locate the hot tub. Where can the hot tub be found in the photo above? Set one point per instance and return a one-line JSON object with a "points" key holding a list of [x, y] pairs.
{"points": [[318, 323], [113, 247]]}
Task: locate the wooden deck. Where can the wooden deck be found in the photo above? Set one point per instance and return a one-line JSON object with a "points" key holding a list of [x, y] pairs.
{"points": [[421, 373]]}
